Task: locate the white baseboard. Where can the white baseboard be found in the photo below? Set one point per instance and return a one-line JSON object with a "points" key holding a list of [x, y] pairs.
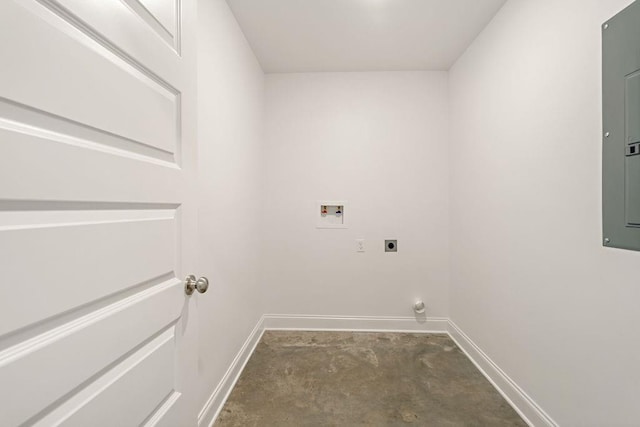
{"points": [[216, 401], [517, 398], [355, 323]]}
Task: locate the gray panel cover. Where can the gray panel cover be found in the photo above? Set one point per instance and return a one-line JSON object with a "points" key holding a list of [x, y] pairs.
{"points": [[621, 119]]}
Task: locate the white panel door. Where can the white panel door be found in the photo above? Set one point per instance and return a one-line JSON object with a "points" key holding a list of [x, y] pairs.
{"points": [[97, 212]]}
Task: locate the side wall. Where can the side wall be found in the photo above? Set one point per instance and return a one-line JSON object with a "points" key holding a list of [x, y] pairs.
{"points": [[532, 285], [231, 105], [377, 140]]}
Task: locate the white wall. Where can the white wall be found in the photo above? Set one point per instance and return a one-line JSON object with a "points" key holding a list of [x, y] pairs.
{"points": [[231, 105], [531, 283], [379, 141]]}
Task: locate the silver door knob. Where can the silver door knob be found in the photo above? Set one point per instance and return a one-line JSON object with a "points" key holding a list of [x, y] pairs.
{"points": [[191, 284]]}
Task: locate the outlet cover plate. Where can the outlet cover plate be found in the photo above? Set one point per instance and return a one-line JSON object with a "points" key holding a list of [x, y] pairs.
{"points": [[391, 246]]}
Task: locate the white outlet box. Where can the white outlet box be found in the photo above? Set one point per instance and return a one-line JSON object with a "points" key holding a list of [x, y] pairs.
{"points": [[359, 245]]}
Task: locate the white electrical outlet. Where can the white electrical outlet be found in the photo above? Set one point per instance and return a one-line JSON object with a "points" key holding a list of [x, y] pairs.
{"points": [[359, 245]]}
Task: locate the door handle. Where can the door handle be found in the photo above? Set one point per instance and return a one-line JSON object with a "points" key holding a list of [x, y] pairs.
{"points": [[191, 284]]}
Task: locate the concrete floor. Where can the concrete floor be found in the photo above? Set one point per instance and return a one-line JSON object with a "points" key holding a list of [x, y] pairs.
{"points": [[362, 379]]}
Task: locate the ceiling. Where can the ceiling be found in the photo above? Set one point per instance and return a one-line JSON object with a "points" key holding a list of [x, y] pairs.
{"points": [[361, 35]]}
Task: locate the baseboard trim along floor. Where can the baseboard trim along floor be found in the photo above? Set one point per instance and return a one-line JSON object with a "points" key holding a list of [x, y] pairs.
{"points": [[517, 398], [530, 412], [349, 323], [216, 401]]}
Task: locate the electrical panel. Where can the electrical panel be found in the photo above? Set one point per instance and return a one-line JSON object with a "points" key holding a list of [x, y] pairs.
{"points": [[621, 129]]}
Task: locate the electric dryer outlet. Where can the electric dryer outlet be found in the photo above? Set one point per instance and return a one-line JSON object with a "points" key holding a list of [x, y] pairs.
{"points": [[391, 246]]}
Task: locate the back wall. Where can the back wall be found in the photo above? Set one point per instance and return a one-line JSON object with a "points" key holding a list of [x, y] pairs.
{"points": [[377, 140]]}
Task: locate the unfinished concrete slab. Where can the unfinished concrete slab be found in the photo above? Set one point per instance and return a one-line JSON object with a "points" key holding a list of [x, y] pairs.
{"points": [[362, 379]]}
